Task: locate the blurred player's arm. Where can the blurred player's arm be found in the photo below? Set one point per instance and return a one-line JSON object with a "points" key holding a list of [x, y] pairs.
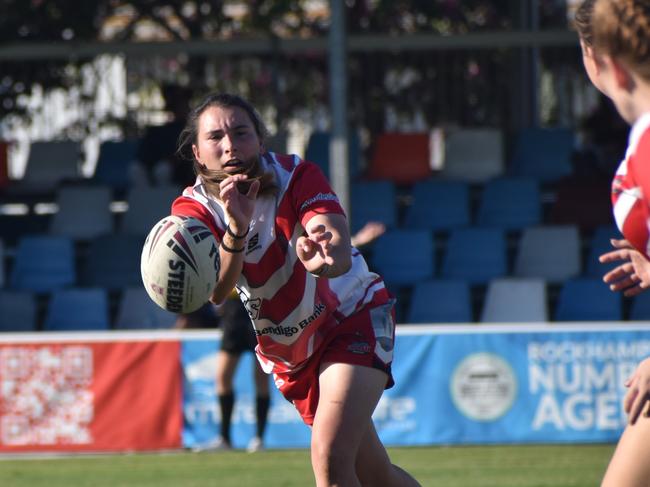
{"points": [[368, 233]]}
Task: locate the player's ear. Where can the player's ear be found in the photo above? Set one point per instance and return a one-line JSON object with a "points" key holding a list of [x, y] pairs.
{"points": [[195, 151]]}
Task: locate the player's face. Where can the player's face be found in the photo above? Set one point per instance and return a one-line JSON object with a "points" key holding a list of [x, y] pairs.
{"points": [[226, 140]]}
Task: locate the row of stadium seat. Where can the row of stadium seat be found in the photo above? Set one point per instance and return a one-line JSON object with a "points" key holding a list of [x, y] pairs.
{"points": [[507, 203], [43, 263], [473, 155], [75, 309], [477, 255], [506, 300], [467, 154], [84, 211], [514, 300]]}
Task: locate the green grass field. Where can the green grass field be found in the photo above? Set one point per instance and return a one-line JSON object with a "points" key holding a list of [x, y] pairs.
{"points": [[470, 466]]}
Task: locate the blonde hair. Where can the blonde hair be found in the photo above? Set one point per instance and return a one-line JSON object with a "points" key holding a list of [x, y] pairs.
{"points": [[621, 28]]}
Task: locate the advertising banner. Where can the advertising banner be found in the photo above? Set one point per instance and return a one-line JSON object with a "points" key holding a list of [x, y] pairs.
{"points": [[546, 387], [402, 415], [457, 385], [202, 414], [85, 396]]}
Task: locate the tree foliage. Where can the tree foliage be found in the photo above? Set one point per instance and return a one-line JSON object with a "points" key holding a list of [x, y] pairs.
{"points": [[289, 83]]}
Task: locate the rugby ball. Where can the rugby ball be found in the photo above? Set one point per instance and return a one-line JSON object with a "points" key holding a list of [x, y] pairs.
{"points": [[180, 264]]}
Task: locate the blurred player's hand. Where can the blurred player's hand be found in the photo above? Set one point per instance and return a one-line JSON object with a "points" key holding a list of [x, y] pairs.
{"points": [[632, 277], [638, 394], [368, 233]]}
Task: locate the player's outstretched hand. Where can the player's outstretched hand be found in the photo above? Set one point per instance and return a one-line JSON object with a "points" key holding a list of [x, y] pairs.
{"points": [[632, 276], [638, 394], [313, 249]]}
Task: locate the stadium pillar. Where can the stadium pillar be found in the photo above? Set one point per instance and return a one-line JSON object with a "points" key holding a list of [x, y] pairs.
{"points": [[525, 93], [339, 172]]}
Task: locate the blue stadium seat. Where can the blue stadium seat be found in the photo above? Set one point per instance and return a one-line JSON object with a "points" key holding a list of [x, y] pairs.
{"points": [[598, 245], [318, 151], [475, 255], [440, 301], [549, 252], [18, 311], [511, 204], [513, 300], [588, 300], [543, 154], [112, 262], [147, 205], [640, 309], [48, 164], [77, 309], [43, 263], [84, 212], [114, 163], [404, 257], [439, 205], [373, 201], [137, 311]]}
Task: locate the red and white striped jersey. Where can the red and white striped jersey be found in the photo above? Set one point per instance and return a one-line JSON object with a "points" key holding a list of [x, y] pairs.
{"points": [[291, 310], [631, 188]]}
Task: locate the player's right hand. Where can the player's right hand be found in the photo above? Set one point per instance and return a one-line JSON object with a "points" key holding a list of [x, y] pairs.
{"points": [[239, 206], [632, 276]]}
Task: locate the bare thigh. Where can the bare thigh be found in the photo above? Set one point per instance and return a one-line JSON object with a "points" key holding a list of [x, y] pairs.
{"points": [[373, 464], [629, 466], [348, 397]]}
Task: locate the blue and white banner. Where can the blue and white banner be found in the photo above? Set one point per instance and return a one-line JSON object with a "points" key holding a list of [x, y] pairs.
{"points": [[526, 386], [455, 385], [202, 415]]}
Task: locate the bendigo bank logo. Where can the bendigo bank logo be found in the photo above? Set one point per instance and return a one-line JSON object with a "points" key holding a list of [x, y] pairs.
{"points": [[289, 331]]}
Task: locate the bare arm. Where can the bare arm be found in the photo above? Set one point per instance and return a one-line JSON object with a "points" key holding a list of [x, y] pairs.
{"points": [[239, 208]]}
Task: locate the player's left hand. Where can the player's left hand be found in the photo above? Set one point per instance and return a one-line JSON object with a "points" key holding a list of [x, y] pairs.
{"points": [[638, 394], [632, 277], [313, 249]]}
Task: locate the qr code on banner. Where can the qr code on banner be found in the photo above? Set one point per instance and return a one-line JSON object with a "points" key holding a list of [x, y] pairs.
{"points": [[45, 395]]}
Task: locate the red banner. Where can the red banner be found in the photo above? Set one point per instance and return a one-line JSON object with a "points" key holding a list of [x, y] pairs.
{"points": [[90, 396]]}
